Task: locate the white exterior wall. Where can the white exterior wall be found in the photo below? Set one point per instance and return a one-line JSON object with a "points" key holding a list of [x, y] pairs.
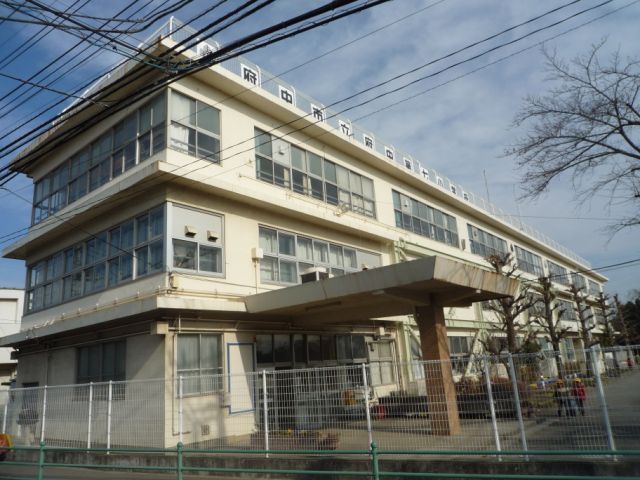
{"points": [[11, 308]]}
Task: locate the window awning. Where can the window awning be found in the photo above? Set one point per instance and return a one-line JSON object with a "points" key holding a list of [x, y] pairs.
{"points": [[382, 292]]}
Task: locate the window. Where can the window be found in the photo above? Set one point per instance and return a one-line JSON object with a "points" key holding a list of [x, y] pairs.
{"points": [[558, 273], [566, 310], [199, 363], [381, 365], [424, 220], [103, 260], [290, 167], [594, 288], [287, 255], [202, 249], [102, 362], [529, 262], [129, 142], [579, 281], [485, 244], [195, 128]]}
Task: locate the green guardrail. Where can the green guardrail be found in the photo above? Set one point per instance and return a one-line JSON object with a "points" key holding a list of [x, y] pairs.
{"points": [[373, 454]]}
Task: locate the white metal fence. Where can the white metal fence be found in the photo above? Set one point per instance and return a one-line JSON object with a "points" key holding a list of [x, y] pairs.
{"points": [[510, 402]]}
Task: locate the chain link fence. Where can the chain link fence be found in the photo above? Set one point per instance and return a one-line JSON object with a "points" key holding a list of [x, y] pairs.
{"points": [[541, 401]]}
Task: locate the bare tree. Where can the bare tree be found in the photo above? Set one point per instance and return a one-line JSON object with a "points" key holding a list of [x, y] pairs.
{"points": [[508, 311], [604, 317], [542, 316], [584, 315], [586, 127]]}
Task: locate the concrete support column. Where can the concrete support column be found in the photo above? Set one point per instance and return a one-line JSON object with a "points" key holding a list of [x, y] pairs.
{"points": [[441, 394]]}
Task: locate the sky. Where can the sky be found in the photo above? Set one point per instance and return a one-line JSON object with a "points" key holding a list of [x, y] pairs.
{"points": [[460, 126]]}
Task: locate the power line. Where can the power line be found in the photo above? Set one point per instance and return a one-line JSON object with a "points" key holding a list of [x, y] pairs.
{"points": [[254, 137]]}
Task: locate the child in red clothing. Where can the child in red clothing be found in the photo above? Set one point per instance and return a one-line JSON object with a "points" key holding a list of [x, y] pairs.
{"points": [[579, 394]]}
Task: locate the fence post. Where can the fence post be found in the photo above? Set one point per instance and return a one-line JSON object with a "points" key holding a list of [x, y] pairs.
{"points": [[179, 466], [516, 396], [180, 410], [365, 388], [375, 467], [90, 414], [492, 408], [109, 401], [4, 416], [603, 401], [265, 410], [44, 414], [41, 461]]}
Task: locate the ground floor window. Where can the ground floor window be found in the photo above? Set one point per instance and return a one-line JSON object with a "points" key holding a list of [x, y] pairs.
{"points": [[103, 362], [199, 363]]}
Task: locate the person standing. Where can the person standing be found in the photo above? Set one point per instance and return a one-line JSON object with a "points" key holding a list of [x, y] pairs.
{"points": [[561, 394], [579, 394]]}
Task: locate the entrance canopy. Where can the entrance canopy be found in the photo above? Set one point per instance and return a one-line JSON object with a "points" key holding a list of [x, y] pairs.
{"points": [[396, 289]]}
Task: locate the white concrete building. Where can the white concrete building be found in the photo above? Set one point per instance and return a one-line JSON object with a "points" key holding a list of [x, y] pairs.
{"points": [[11, 308], [184, 212]]}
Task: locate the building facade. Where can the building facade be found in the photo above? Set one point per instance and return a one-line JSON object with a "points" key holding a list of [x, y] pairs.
{"points": [[153, 227], [11, 308]]}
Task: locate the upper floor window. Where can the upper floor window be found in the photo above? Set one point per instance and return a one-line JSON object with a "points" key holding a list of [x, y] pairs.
{"points": [[579, 281], [287, 255], [485, 244], [197, 240], [594, 288], [131, 141], [130, 250], [558, 273], [424, 220], [195, 128], [285, 165], [566, 310], [529, 262]]}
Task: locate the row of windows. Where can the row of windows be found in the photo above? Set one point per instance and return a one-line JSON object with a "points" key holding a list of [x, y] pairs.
{"points": [[133, 249], [287, 255], [485, 244], [417, 217], [290, 167], [131, 141]]}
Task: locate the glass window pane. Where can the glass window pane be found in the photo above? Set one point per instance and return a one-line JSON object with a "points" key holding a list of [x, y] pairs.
{"points": [[343, 177], [208, 147], [126, 266], [359, 347], [367, 187], [269, 269], [188, 352], [142, 261], [286, 244], [299, 353], [210, 352], [264, 348], [335, 254], [305, 249], [355, 182], [315, 164], [330, 171], [282, 348], [156, 256], [314, 348], [183, 139], [208, 118], [328, 347], [298, 158], [321, 252], [184, 254], [268, 240], [183, 109], [210, 259], [288, 272], [157, 221], [142, 229], [350, 258], [343, 345], [263, 143], [126, 235]]}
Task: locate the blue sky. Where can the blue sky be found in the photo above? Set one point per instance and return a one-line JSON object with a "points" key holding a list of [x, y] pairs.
{"points": [[461, 128]]}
